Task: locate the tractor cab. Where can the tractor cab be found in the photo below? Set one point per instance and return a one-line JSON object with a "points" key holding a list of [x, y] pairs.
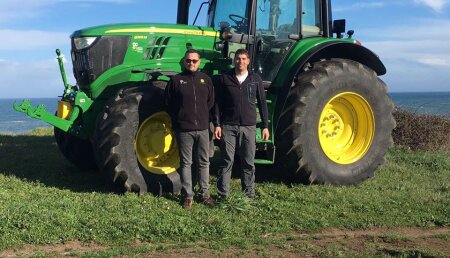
{"points": [[267, 28]]}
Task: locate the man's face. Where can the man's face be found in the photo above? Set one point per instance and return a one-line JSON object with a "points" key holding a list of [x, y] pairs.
{"points": [[241, 62], [191, 62]]}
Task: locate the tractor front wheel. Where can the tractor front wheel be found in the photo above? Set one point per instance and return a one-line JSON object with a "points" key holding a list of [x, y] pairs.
{"points": [[337, 124], [76, 150], [134, 141]]}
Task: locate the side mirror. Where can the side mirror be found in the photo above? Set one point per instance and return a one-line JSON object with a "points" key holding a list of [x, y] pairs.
{"points": [[339, 27], [350, 33]]}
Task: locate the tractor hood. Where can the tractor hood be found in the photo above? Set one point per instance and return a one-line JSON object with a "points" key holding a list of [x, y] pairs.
{"points": [[144, 29]]}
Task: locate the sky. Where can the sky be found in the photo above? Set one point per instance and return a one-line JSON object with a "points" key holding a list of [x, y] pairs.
{"points": [[412, 38]]}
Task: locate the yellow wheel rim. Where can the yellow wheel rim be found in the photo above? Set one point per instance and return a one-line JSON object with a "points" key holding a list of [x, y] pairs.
{"points": [[155, 145], [346, 128]]}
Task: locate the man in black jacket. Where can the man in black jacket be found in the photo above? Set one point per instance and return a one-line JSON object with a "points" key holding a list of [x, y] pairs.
{"points": [[189, 97], [237, 94]]}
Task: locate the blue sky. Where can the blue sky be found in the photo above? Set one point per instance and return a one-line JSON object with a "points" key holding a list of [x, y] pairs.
{"points": [[412, 38]]}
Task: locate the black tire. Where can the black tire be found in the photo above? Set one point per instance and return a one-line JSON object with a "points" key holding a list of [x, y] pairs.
{"points": [[116, 130], [301, 145], [76, 150]]}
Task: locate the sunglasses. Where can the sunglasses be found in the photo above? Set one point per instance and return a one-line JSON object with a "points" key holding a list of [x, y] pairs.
{"points": [[194, 61]]}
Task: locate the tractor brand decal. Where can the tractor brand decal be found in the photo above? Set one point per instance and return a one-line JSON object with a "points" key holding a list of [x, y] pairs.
{"points": [[161, 30], [140, 37], [137, 48]]}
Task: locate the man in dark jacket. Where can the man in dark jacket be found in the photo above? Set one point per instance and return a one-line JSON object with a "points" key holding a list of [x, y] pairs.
{"points": [[189, 97], [237, 94]]}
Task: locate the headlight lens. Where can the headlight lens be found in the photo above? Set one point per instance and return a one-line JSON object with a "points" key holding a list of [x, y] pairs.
{"points": [[83, 42]]}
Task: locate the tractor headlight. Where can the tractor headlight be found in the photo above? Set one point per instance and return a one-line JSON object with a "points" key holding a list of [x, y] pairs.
{"points": [[83, 42]]}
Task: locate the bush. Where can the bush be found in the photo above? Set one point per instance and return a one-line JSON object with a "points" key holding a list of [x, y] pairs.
{"points": [[422, 131]]}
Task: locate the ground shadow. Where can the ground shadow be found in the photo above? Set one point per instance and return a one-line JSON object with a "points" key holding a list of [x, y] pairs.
{"points": [[38, 159]]}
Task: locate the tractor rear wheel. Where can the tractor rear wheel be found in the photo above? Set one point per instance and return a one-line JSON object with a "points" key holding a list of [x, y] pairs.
{"points": [[336, 125], [134, 141], [76, 150]]}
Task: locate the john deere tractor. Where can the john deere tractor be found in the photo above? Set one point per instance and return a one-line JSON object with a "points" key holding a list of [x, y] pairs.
{"points": [[330, 115]]}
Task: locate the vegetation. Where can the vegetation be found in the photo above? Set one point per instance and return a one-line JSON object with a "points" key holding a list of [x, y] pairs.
{"points": [[46, 201], [422, 131]]}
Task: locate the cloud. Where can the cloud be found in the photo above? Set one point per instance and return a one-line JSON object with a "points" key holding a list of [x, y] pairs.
{"points": [[26, 79], [417, 56], [31, 40], [358, 6], [434, 61], [20, 10], [436, 5]]}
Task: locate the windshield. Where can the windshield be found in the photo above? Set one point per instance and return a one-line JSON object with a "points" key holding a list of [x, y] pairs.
{"points": [[232, 11], [277, 16]]}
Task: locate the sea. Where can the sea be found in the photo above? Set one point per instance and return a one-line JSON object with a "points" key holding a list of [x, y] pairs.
{"points": [[12, 122]]}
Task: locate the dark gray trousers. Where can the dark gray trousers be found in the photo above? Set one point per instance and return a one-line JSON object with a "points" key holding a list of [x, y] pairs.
{"points": [[242, 139], [187, 143]]}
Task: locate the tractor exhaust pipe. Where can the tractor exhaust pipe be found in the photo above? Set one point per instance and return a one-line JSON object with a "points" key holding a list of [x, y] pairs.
{"points": [[183, 11]]}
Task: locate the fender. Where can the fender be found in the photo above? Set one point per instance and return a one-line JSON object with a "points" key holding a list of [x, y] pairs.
{"points": [[331, 49]]}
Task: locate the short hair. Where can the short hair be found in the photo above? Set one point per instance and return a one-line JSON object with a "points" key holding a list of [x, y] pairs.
{"points": [[242, 51], [191, 51]]}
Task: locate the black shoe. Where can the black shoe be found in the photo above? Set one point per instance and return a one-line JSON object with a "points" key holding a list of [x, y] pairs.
{"points": [[208, 201], [187, 204]]}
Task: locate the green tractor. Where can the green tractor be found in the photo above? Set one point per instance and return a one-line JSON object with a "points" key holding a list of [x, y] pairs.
{"points": [[330, 115]]}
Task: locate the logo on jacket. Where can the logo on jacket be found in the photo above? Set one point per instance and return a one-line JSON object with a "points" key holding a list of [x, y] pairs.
{"points": [[183, 82], [202, 81]]}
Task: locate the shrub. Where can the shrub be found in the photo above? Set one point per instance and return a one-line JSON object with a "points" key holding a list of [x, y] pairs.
{"points": [[422, 131]]}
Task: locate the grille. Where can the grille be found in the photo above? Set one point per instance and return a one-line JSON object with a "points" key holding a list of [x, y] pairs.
{"points": [[156, 48], [105, 53]]}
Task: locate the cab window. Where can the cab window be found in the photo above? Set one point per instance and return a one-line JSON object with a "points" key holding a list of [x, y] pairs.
{"points": [[310, 18]]}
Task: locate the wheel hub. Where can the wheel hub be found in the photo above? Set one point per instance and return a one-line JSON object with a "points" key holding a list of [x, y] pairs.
{"points": [[346, 128], [155, 146]]}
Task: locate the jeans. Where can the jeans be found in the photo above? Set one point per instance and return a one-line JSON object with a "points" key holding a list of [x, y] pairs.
{"points": [[188, 141], [242, 139]]}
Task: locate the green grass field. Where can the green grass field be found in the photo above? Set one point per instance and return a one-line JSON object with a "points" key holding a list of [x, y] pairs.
{"points": [[46, 202]]}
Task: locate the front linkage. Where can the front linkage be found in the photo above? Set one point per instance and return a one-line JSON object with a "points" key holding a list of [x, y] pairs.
{"points": [[72, 104]]}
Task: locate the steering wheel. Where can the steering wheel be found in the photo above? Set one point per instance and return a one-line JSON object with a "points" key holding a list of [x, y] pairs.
{"points": [[235, 17]]}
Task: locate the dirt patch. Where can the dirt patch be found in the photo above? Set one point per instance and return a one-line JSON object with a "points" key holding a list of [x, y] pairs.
{"points": [[416, 242], [63, 249]]}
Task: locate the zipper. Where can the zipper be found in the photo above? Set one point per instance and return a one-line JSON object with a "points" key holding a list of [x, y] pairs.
{"points": [[240, 99], [195, 100]]}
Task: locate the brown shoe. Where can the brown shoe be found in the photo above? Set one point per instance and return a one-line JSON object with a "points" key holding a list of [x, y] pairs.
{"points": [[208, 201], [187, 204]]}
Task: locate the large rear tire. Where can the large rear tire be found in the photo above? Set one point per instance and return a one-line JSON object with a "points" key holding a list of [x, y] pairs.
{"points": [[336, 125], [134, 141], [76, 150]]}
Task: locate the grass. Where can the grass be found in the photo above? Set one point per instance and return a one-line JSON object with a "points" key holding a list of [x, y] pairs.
{"points": [[46, 200]]}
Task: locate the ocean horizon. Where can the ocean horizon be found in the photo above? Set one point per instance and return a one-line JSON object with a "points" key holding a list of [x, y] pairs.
{"points": [[12, 122]]}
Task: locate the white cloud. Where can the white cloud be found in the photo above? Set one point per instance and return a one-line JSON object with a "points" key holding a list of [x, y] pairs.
{"points": [[20, 10], [32, 39], [416, 55], [357, 6], [32, 79], [434, 61], [436, 5]]}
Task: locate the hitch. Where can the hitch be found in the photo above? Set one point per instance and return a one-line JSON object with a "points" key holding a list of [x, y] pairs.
{"points": [[40, 112], [71, 105]]}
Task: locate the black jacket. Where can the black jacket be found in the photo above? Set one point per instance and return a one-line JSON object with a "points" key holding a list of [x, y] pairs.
{"points": [[189, 98], [236, 103]]}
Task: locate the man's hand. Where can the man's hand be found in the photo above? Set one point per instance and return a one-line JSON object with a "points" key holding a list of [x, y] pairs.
{"points": [[218, 133], [265, 134]]}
